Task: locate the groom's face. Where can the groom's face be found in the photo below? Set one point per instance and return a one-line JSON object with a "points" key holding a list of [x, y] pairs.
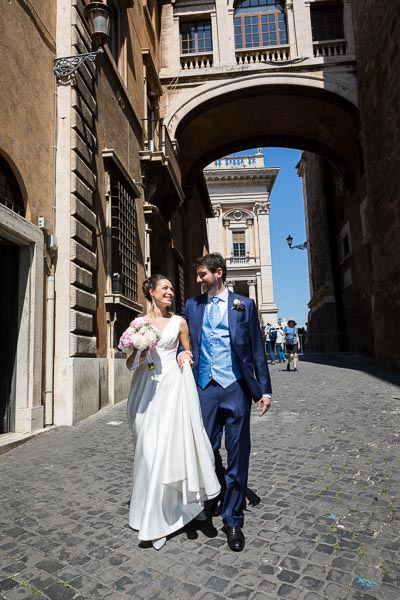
{"points": [[209, 281]]}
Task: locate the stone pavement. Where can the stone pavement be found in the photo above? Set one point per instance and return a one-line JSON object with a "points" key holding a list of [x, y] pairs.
{"points": [[323, 506]]}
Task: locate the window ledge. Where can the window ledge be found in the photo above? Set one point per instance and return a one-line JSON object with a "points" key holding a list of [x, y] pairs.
{"points": [[123, 302]]}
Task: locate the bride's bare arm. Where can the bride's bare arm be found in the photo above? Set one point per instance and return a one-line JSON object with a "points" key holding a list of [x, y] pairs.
{"points": [[130, 359], [184, 341]]}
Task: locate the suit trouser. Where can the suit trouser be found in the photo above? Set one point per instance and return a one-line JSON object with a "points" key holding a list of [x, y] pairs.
{"points": [[228, 409]]}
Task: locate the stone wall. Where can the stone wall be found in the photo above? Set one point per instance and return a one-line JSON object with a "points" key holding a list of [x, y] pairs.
{"points": [[27, 50], [377, 39]]}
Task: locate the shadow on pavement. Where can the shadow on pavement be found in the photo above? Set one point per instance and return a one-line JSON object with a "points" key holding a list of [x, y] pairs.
{"points": [[349, 360]]}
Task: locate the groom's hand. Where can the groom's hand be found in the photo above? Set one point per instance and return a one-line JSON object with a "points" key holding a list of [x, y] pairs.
{"points": [[263, 405], [185, 355]]}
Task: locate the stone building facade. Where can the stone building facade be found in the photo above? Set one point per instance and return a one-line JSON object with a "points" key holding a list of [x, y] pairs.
{"points": [[88, 183], [354, 233], [27, 50], [240, 190], [118, 195]]}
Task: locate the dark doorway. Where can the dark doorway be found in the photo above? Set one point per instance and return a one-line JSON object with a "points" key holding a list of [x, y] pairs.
{"points": [[9, 275]]}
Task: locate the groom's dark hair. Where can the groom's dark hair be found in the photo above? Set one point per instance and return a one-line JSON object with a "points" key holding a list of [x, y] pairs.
{"points": [[212, 262]]}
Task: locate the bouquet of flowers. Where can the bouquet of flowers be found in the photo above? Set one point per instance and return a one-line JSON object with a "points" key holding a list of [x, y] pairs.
{"points": [[140, 336]]}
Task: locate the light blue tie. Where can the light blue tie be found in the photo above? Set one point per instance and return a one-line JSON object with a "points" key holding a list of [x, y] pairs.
{"points": [[214, 315]]}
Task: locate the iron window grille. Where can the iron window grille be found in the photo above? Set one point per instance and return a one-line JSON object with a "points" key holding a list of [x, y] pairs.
{"points": [[123, 239], [10, 193]]}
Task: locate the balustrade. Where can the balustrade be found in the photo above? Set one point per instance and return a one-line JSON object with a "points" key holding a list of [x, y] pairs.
{"points": [[233, 162], [234, 261], [263, 55], [331, 48], [198, 61]]}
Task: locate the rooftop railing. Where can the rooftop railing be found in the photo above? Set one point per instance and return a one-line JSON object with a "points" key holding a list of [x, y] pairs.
{"points": [[234, 162]]}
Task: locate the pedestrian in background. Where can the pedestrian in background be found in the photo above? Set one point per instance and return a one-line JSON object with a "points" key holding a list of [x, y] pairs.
{"points": [[292, 341], [279, 343], [270, 341]]}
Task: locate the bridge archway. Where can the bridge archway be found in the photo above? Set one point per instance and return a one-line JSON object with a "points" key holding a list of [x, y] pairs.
{"points": [[299, 111], [293, 110]]}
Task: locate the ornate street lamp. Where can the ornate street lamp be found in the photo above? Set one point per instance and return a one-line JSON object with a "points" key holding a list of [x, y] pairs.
{"points": [[98, 16], [289, 240]]}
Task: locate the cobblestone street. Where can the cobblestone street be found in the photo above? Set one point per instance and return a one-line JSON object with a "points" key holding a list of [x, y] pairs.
{"points": [[322, 519]]}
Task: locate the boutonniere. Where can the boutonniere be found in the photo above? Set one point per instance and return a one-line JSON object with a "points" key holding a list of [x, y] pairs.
{"points": [[238, 305]]}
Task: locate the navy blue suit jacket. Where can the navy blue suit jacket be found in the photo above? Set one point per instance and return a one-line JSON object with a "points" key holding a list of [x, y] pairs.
{"points": [[246, 340]]}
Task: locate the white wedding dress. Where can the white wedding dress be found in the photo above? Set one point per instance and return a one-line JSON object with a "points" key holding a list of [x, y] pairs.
{"points": [[173, 470]]}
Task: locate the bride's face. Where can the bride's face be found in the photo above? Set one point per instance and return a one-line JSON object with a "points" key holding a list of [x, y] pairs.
{"points": [[163, 294]]}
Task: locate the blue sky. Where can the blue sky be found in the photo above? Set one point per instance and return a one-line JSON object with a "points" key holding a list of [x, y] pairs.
{"points": [[289, 267]]}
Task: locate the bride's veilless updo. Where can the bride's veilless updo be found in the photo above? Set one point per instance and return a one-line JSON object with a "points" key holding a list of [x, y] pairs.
{"points": [[151, 283]]}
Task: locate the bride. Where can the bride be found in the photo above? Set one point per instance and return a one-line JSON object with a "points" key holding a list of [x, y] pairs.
{"points": [[173, 470]]}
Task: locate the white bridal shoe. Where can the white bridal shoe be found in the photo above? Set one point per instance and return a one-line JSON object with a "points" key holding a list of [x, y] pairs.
{"points": [[158, 544]]}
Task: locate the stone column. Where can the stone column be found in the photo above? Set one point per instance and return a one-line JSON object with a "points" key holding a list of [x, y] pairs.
{"points": [[348, 26], [265, 294], [215, 39], [252, 289], [225, 32], [230, 284], [303, 28], [175, 55], [291, 30], [170, 41]]}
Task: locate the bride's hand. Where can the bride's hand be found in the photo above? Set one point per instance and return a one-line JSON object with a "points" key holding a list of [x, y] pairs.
{"points": [[185, 355]]}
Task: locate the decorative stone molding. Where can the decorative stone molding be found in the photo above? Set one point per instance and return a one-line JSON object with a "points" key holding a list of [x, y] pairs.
{"points": [[217, 209], [237, 216], [183, 8], [261, 208]]}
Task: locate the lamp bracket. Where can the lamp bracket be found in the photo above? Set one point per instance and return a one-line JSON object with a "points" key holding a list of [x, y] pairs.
{"points": [[65, 66], [299, 246]]}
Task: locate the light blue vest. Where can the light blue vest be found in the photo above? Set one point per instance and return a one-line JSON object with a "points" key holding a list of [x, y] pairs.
{"points": [[217, 359]]}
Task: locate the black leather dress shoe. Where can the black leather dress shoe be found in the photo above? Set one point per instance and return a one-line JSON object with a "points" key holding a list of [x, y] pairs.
{"points": [[235, 538]]}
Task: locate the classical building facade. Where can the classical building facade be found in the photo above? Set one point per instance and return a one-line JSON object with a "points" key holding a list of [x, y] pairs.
{"points": [[240, 188]]}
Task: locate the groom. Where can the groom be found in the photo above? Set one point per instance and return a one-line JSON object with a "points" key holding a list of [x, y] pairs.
{"points": [[230, 367]]}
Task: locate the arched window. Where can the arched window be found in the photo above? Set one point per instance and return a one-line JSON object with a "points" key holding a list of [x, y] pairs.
{"points": [[259, 23], [10, 193]]}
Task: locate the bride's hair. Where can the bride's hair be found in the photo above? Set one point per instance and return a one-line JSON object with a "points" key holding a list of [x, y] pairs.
{"points": [[151, 283]]}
